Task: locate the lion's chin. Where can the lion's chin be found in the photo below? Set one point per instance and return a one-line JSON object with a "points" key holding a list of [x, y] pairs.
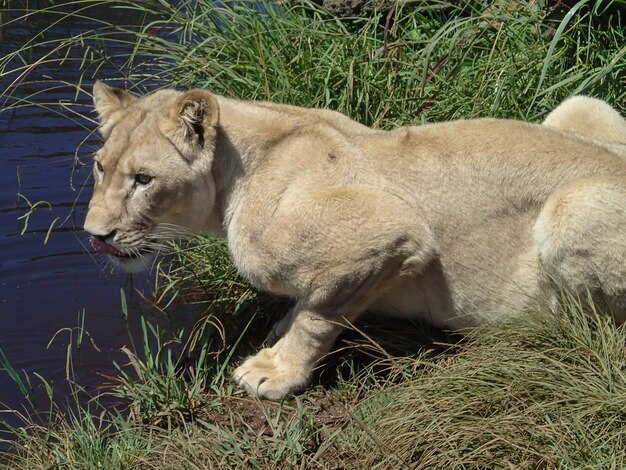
{"points": [[129, 261], [133, 264]]}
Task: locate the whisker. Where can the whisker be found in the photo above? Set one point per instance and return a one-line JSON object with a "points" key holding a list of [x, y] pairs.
{"points": [[135, 252], [172, 230], [159, 247]]}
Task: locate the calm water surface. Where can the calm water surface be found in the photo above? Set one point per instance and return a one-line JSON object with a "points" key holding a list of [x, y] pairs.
{"points": [[46, 287]]}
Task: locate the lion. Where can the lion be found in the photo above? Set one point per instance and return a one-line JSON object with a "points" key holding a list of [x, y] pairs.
{"points": [[589, 117], [459, 223]]}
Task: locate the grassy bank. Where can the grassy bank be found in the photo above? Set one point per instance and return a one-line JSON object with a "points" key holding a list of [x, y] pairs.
{"points": [[542, 392]]}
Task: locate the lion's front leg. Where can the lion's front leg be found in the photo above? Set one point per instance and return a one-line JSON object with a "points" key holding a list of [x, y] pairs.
{"points": [[280, 327], [287, 366], [342, 249]]}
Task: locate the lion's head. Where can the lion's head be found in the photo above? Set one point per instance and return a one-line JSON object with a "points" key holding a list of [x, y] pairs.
{"points": [[152, 177]]}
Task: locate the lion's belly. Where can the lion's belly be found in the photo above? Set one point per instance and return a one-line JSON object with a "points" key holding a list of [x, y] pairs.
{"points": [[485, 275], [403, 301], [463, 306], [426, 297]]}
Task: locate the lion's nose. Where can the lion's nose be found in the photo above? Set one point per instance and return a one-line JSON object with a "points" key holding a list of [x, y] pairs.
{"points": [[99, 232], [103, 238], [98, 226]]}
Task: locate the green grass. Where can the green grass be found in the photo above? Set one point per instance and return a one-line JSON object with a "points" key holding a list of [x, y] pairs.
{"points": [[540, 392], [545, 391], [431, 64]]}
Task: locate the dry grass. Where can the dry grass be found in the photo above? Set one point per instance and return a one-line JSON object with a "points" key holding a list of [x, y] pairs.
{"points": [[544, 391]]}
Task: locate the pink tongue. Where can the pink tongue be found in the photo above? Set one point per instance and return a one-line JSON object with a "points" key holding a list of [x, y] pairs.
{"points": [[105, 248]]}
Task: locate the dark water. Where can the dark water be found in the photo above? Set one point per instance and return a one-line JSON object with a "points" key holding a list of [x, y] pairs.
{"points": [[55, 285]]}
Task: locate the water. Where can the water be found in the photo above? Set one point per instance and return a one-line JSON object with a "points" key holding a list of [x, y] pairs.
{"points": [[55, 285]]}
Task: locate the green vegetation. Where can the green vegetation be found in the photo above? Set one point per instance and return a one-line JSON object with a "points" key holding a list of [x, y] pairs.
{"points": [[541, 392]]}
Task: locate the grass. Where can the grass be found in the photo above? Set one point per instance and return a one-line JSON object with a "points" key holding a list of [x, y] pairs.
{"points": [[540, 392], [466, 60]]}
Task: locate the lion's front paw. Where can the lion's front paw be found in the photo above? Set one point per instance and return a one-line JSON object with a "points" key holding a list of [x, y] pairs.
{"points": [[264, 376]]}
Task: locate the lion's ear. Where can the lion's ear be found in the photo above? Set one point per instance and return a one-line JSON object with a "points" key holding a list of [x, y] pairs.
{"points": [[107, 101], [193, 122]]}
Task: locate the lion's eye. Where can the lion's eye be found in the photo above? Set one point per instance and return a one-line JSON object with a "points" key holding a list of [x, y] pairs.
{"points": [[99, 167], [142, 178]]}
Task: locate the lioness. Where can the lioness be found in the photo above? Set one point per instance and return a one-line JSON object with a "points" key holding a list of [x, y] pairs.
{"points": [[458, 222]]}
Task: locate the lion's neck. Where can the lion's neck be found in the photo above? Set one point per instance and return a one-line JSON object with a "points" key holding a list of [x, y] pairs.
{"points": [[244, 128], [251, 125]]}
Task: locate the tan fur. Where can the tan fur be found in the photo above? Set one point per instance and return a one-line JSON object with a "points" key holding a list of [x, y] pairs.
{"points": [[460, 223], [590, 117]]}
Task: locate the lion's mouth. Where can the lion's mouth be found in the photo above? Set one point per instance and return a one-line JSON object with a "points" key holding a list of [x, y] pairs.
{"points": [[107, 249]]}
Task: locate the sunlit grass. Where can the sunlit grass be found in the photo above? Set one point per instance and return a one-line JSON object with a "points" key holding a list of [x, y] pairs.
{"points": [[545, 391], [541, 392], [466, 60]]}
